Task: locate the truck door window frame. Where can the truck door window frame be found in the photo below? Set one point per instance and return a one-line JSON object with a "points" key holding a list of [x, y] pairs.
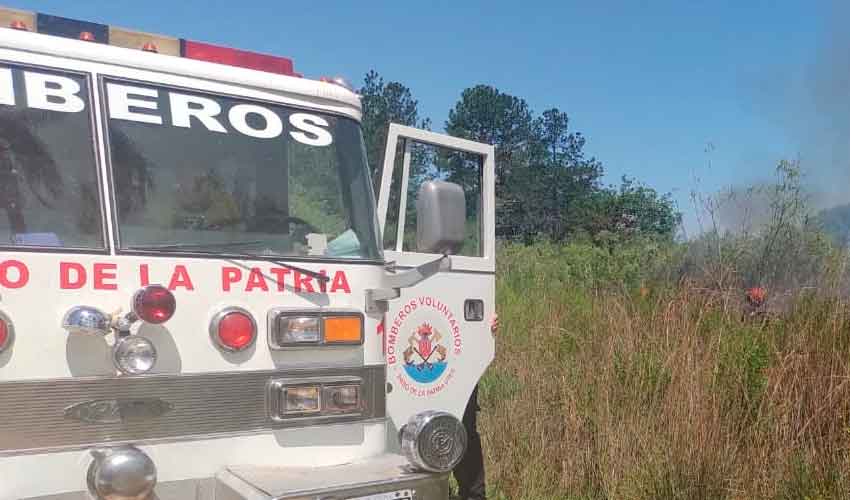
{"points": [[487, 261]]}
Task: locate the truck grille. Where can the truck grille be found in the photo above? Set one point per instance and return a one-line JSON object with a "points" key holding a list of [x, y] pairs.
{"points": [[47, 415]]}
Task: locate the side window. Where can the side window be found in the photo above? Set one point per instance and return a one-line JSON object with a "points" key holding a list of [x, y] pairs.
{"points": [[49, 191], [429, 162]]}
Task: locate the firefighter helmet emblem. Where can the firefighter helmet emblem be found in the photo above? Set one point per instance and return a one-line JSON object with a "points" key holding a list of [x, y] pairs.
{"points": [[425, 357]]}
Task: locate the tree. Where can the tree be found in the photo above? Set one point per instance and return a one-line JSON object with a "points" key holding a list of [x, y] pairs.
{"points": [[567, 180], [384, 103], [635, 209], [485, 114], [543, 178]]}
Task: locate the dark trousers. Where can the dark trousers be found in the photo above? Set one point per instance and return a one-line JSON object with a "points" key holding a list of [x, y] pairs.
{"points": [[469, 473]]}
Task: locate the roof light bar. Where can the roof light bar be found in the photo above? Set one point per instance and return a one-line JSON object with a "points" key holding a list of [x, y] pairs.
{"points": [[144, 41], [72, 28], [102, 33]]}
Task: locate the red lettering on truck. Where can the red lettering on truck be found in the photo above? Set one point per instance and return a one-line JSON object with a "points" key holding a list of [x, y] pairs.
{"points": [[229, 276], [180, 279], [72, 275], [14, 274], [103, 274]]}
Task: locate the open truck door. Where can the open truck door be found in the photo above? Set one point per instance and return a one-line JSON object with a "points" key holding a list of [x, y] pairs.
{"points": [[437, 218]]}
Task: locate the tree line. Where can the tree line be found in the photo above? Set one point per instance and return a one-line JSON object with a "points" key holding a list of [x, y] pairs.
{"points": [[547, 187]]}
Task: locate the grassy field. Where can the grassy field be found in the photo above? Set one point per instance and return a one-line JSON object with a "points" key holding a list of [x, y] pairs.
{"points": [[616, 378]]}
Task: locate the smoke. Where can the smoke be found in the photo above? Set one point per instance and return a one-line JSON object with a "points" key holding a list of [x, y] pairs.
{"points": [[824, 120], [808, 102]]}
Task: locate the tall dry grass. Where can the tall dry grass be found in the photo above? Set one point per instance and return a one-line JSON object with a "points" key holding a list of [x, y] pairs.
{"points": [[604, 390]]}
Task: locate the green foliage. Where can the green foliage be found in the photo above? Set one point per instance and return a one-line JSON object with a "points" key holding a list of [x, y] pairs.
{"points": [[743, 358], [588, 266], [610, 391], [384, 103], [546, 186], [633, 209], [803, 481]]}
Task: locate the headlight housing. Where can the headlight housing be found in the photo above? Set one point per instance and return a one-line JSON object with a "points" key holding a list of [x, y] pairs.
{"points": [[134, 355], [434, 441]]}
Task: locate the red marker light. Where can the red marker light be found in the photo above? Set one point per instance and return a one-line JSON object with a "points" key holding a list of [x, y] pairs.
{"points": [[233, 329], [150, 47], [17, 24], [86, 36], [154, 304], [7, 332]]}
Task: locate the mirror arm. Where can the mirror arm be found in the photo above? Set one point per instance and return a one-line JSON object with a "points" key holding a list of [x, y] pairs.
{"points": [[377, 299]]}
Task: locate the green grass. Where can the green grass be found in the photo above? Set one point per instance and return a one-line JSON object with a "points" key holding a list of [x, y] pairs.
{"points": [[617, 378]]}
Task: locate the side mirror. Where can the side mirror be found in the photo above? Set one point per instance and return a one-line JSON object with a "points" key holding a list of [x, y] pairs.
{"points": [[440, 217]]}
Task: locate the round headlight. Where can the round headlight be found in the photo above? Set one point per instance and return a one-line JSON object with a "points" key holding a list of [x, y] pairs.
{"points": [[434, 441], [134, 355]]}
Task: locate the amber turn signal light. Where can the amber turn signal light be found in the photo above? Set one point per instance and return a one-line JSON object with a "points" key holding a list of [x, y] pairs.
{"points": [[343, 330]]}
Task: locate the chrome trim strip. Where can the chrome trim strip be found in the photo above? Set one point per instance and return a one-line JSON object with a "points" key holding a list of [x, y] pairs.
{"points": [[33, 413]]}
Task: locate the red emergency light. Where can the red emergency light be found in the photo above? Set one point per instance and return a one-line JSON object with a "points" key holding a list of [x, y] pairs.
{"points": [[154, 304], [235, 57]]}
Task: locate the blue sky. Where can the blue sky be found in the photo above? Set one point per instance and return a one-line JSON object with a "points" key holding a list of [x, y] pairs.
{"points": [[650, 84]]}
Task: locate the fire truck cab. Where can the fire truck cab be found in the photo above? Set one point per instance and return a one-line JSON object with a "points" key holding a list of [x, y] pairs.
{"points": [[199, 295]]}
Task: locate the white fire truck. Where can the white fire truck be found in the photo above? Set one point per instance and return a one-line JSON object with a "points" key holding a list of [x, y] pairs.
{"points": [[196, 299]]}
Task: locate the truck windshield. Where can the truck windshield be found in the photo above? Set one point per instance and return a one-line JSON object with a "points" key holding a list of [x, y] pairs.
{"points": [[49, 191], [202, 173]]}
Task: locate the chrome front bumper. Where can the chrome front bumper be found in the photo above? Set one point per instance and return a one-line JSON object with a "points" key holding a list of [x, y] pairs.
{"points": [[388, 474], [379, 478]]}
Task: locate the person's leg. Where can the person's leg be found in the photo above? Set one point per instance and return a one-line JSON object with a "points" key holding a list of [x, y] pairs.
{"points": [[469, 473]]}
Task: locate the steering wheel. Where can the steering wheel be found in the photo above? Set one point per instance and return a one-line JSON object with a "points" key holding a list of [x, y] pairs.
{"points": [[298, 220], [266, 221]]}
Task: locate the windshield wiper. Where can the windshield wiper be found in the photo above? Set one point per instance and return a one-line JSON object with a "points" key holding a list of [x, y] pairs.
{"points": [[204, 248], [198, 246]]}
